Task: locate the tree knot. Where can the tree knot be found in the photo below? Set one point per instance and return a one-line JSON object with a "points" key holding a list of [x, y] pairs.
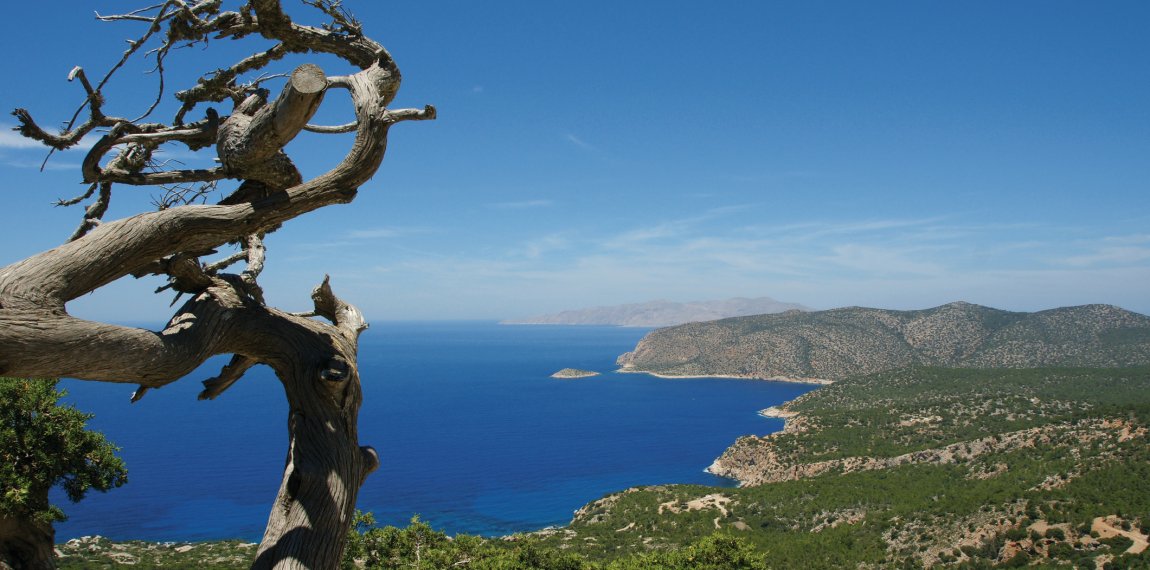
{"points": [[336, 370]]}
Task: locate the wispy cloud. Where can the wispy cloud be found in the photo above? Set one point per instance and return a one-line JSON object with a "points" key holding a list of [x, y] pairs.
{"points": [[537, 248], [892, 263], [10, 139], [37, 164], [374, 233], [571, 138], [521, 205], [1112, 250]]}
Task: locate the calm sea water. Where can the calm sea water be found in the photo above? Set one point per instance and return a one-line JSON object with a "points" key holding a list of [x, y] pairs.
{"points": [[474, 435]]}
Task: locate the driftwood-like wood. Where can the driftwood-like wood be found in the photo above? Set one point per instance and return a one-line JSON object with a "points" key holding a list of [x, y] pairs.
{"points": [[224, 313]]}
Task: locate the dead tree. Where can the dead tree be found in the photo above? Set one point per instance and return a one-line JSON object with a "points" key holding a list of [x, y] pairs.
{"points": [[224, 312]]}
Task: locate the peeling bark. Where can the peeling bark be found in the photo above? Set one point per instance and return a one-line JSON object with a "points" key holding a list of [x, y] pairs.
{"points": [[315, 360]]}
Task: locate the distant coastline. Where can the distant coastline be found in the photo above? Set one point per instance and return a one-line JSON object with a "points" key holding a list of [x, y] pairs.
{"points": [[815, 381], [654, 314]]}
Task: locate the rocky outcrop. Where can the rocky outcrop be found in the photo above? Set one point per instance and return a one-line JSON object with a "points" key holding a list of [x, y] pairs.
{"points": [[661, 313], [569, 373], [838, 343]]}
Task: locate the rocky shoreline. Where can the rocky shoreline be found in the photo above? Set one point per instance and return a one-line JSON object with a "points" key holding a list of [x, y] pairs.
{"points": [[777, 412]]}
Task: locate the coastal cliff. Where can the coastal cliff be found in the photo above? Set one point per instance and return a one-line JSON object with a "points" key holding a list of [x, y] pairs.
{"points": [[838, 343]]}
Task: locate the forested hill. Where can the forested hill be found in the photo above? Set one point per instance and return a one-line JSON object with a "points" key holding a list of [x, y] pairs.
{"points": [[838, 343]]}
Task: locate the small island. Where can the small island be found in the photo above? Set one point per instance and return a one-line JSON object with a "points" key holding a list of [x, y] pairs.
{"points": [[568, 373]]}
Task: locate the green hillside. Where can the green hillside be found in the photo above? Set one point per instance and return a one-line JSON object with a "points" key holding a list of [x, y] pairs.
{"points": [[916, 467]]}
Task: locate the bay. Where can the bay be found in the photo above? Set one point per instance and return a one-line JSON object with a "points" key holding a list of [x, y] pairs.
{"points": [[474, 435]]}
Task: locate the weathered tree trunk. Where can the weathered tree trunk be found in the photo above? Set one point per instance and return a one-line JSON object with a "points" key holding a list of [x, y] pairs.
{"points": [[315, 361], [26, 545]]}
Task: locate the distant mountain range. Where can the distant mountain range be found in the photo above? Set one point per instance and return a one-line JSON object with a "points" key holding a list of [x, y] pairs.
{"points": [[661, 313], [834, 344]]}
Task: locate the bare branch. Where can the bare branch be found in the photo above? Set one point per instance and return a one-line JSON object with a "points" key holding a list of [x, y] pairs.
{"points": [[126, 170], [348, 44], [94, 212], [215, 267], [330, 130], [425, 114], [221, 85], [230, 374], [184, 194], [133, 15], [67, 139], [78, 199]]}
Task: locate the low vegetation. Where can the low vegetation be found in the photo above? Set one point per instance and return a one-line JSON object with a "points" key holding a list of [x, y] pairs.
{"points": [[993, 467]]}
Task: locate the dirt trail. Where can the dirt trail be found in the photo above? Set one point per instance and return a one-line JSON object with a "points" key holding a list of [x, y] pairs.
{"points": [[1105, 528]]}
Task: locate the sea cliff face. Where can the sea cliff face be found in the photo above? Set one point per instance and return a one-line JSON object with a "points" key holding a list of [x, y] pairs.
{"points": [[839, 343]]}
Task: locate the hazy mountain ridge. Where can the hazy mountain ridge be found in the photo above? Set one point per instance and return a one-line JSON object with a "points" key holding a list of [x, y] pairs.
{"points": [[661, 313], [843, 342]]}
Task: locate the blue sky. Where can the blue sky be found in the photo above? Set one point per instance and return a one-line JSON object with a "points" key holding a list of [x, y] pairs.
{"points": [[895, 154]]}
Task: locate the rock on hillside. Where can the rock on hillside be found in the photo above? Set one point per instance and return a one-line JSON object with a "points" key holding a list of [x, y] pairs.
{"points": [[661, 313], [838, 343]]}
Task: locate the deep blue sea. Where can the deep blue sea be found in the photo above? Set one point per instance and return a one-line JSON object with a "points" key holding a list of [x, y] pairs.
{"points": [[474, 435]]}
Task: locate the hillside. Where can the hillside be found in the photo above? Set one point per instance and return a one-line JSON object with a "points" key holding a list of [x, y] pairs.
{"points": [[919, 467], [838, 343], [661, 313]]}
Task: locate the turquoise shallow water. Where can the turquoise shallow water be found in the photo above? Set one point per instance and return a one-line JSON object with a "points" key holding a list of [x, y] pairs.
{"points": [[474, 435]]}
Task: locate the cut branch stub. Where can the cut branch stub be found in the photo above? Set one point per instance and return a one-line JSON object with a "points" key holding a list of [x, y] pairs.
{"points": [[251, 146]]}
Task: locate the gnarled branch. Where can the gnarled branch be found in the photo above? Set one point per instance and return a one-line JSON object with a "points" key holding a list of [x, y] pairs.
{"points": [[225, 312]]}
